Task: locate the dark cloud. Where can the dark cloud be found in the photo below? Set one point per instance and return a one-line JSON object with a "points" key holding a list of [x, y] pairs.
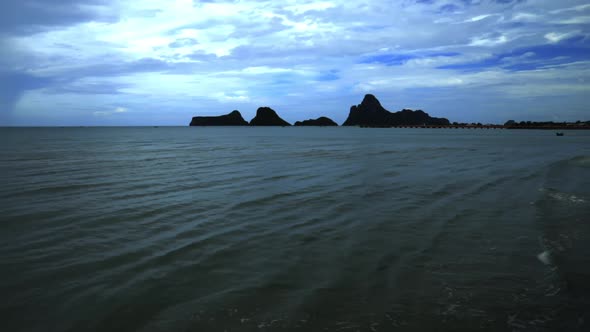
{"points": [[31, 16], [389, 59], [115, 68], [448, 8], [94, 88], [531, 57], [202, 56], [508, 1], [12, 85], [326, 76], [183, 42]]}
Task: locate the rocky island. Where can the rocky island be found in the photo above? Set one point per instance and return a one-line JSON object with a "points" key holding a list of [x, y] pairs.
{"points": [[370, 113], [232, 119], [320, 122], [266, 116]]}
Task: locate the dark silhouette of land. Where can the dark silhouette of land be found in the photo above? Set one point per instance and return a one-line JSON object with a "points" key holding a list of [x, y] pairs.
{"points": [[370, 114], [511, 124], [232, 119], [322, 121], [266, 116]]}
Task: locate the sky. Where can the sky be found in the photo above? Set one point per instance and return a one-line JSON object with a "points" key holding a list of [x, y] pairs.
{"points": [[112, 62]]}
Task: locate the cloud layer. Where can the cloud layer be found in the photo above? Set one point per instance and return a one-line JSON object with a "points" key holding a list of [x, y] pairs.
{"points": [[107, 62]]}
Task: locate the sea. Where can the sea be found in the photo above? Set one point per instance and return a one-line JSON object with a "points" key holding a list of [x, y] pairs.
{"points": [[294, 229]]}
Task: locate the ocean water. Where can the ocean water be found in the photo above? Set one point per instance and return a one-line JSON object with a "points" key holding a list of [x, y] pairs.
{"points": [[294, 229]]}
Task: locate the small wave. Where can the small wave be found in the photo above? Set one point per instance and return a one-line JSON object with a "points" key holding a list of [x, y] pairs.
{"points": [[545, 257], [562, 197]]}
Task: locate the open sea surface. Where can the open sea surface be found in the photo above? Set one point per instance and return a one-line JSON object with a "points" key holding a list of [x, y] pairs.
{"points": [[294, 229]]}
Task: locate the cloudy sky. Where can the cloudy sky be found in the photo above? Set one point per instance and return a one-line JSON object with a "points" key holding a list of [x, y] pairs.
{"points": [[113, 62]]}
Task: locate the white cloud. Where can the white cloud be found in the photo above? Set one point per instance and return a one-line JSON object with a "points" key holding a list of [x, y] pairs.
{"points": [[488, 41], [578, 8], [526, 17], [575, 20], [232, 98], [479, 18], [555, 37], [117, 110]]}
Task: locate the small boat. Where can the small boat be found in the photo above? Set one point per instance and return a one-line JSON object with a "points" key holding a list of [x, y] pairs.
{"points": [[559, 134]]}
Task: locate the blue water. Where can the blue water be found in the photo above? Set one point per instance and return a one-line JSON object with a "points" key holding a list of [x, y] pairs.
{"points": [[294, 229]]}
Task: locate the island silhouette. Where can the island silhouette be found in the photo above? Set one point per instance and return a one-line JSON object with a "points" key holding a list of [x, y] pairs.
{"points": [[371, 114], [322, 121], [266, 116], [232, 119]]}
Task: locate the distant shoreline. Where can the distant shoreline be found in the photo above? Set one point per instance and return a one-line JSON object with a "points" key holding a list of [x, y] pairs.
{"points": [[371, 114], [501, 127]]}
